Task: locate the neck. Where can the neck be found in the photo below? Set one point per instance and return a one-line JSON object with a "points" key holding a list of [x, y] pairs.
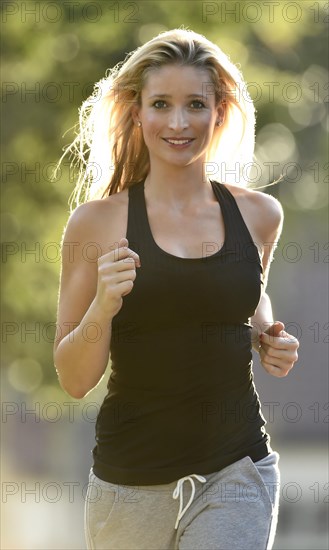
{"points": [[175, 186]]}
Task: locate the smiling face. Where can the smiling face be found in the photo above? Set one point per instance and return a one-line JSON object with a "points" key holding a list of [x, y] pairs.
{"points": [[178, 114]]}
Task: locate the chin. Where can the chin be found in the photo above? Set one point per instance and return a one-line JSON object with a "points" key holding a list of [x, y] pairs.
{"points": [[183, 160]]}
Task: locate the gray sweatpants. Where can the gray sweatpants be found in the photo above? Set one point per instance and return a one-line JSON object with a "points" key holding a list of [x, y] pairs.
{"points": [[233, 509]]}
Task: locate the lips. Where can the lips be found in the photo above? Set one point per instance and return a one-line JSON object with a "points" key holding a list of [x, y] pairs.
{"points": [[178, 141]]}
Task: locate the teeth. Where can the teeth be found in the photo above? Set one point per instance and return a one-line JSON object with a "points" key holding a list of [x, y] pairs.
{"points": [[178, 141]]}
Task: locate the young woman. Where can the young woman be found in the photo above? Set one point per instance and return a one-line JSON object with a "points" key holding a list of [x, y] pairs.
{"points": [[176, 295]]}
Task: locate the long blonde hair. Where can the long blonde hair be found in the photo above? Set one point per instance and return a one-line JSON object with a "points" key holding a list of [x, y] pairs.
{"points": [[109, 150]]}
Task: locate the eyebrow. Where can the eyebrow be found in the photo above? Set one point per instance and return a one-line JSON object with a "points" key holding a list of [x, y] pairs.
{"points": [[167, 95]]}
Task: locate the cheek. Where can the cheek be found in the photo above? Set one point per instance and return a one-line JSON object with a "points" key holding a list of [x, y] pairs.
{"points": [[206, 127], [152, 122], [150, 132]]}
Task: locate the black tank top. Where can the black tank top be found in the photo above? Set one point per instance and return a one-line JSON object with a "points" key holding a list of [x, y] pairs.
{"points": [[181, 397]]}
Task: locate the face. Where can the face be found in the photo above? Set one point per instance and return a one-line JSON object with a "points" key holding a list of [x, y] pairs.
{"points": [[178, 114]]}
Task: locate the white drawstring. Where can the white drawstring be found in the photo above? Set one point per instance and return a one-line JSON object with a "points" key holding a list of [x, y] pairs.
{"points": [[179, 491]]}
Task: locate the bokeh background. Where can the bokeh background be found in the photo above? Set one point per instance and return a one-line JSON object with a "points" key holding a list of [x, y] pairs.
{"points": [[53, 52]]}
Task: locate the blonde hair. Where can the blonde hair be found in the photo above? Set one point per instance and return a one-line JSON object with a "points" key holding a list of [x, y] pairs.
{"points": [[109, 149]]}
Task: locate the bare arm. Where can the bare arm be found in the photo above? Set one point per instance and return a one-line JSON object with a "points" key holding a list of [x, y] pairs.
{"points": [[277, 349], [270, 220], [262, 319], [91, 294]]}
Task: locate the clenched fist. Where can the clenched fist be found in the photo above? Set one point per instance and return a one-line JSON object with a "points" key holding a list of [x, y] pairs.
{"points": [[278, 350], [116, 276]]}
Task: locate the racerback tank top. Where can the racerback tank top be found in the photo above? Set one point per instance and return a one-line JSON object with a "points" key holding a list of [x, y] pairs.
{"points": [[181, 396]]}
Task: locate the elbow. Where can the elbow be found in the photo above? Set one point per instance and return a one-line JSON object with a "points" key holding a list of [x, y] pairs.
{"points": [[77, 391], [77, 394], [67, 380], [72, 390]]}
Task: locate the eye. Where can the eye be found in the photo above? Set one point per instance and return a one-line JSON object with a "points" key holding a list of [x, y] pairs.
{"points": [[159, 104], [197, 104]]}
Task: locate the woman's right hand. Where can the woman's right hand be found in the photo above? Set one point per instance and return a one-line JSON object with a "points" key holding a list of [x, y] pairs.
{"points": [[116, 275]]}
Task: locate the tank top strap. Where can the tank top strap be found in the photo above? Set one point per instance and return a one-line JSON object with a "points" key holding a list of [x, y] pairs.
{"points": [[137, 226], [235, 226]]}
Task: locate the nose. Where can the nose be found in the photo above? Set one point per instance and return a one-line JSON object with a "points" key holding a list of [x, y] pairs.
{"points": [[178, 119]]}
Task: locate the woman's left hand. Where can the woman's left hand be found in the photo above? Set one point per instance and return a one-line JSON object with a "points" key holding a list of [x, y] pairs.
{"points": [[278, 350]]}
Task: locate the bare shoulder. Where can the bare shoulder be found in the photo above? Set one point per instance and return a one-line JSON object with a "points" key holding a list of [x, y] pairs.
{"points": [[98, 220], [262, 212], [91, 213]]}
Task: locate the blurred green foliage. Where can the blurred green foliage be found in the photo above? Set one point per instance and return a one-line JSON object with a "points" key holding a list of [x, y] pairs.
{"points": [[54, 52]]}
